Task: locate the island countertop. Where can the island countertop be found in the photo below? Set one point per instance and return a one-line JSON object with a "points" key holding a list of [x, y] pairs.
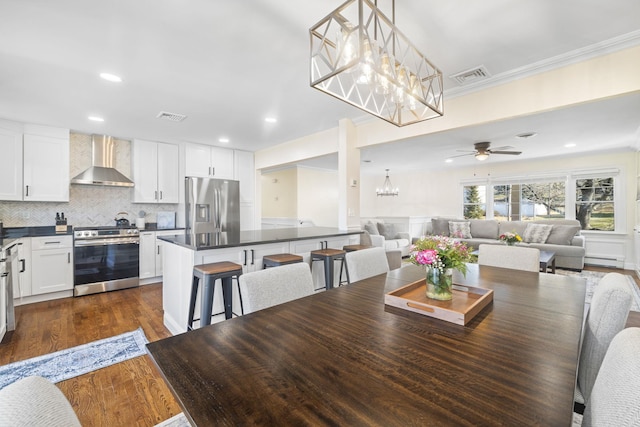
{"points": [[205, 241]]}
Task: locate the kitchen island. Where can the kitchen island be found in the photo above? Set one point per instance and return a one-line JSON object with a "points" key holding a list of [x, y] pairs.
{"points": [[182, 252]]}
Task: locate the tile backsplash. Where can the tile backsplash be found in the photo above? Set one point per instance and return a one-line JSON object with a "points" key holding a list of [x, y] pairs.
{"points": [[88, 205]]}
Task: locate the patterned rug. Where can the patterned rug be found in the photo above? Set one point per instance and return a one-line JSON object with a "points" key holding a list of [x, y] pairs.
{"points": [[75, 361], [593, 277]]}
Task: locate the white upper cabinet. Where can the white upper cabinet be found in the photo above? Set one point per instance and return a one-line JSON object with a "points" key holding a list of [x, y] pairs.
{"points": [[46, 168], [11, 170], [245, 173], [155, 170], [37, 164], [208, 162]]}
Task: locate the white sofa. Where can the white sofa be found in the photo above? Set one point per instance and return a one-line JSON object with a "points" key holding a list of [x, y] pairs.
{"points": [[564, 237], [385, 236]]}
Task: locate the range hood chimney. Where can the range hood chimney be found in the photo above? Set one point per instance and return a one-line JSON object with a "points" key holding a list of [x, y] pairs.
{"points": [[102, 171]]}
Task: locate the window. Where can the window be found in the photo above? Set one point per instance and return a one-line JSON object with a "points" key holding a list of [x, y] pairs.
{"points": [[474, 202], [595, 203], [529, 201]]}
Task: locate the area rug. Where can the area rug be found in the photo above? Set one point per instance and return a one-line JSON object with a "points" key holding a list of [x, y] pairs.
{"points": [[593, 277], [75, 361], [176, 421]]}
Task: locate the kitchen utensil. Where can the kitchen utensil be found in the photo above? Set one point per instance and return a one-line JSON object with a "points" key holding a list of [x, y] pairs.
{"points": [[120, 220]]}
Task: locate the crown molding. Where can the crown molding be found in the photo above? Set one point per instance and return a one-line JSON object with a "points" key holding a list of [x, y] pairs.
{"points": [[572, 57]]}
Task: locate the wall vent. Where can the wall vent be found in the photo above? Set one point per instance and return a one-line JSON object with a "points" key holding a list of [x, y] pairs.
{"points": [[471, 76], [171, 116]]}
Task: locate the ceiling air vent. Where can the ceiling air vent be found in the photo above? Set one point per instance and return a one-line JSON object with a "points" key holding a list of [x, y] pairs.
{"points": [[171, 116], [471, 76]]}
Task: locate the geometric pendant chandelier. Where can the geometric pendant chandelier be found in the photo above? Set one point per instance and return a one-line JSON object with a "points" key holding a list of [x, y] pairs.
{"points": [[359, 56]]}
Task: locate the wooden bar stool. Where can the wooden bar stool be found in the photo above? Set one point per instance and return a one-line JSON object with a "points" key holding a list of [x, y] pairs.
{"points": [[328, 256], [280, 259], [209, 273], [351, 248]]}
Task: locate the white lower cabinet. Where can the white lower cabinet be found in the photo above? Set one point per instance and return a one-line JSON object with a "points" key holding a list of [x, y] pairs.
{"points": [[21, 270], [52, 264], [151, 252], [147, 254], [304, 248]]}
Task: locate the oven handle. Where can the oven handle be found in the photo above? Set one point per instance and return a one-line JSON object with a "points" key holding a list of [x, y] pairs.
{"points": [[106, 242]]}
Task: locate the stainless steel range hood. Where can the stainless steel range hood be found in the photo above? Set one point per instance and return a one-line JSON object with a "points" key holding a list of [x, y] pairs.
{"points": [[102, 170]]}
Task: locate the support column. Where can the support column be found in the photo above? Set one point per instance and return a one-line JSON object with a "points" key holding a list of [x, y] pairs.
{"points": [[348, 176]]}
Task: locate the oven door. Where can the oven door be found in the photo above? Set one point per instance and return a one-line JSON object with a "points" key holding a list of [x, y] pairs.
{"points": [[105, 264]]}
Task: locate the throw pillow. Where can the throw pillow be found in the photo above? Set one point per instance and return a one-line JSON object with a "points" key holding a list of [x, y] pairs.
{"points": [[460, 229], [562, 234], [536, 233], [484, 228], [371, 228], [387, 230]]}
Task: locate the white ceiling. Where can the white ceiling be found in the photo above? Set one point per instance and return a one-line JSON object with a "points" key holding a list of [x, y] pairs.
{"points": [[229, 64]]}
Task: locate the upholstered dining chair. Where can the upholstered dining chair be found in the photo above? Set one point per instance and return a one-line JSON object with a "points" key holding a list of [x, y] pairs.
{"points": [[513, 257], [366, 263], [35, 402], [265, 288], [616, 392], [606, 317]]}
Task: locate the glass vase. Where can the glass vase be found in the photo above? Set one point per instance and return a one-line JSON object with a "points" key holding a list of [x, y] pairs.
{"points": [[439, 283]]}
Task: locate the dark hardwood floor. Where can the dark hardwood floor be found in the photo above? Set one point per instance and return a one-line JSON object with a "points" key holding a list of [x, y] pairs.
{"points": [[130, 393]]}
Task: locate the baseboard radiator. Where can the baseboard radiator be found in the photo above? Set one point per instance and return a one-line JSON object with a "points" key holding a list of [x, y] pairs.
{"points": [[604, 261]]}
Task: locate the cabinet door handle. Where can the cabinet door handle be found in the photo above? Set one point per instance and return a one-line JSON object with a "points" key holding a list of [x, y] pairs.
{"points": [[155, 195], [52, 243], [253, 253], [245, 257], [158, 249], [160, 194], [68, 257], [213, 171], [27, 191], [23, 267], [209, 170]]}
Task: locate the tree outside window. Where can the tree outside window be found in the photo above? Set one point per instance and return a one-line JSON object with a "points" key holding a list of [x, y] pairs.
{"points": [[527, 202], [474, 205], [594, 204]]}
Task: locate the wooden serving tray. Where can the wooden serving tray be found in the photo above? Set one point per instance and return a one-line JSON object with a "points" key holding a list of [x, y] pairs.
{"points": [[466, 303]]}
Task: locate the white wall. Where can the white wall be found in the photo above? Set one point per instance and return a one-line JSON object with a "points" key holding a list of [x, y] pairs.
{"points": [[318, 196], [280, 194]]}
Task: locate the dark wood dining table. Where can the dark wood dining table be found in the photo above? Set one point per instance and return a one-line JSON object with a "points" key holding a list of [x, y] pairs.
{"points": [[341, 357]]}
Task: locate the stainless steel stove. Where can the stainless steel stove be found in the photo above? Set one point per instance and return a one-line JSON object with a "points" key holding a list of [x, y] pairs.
{"points": [[105, 259]]}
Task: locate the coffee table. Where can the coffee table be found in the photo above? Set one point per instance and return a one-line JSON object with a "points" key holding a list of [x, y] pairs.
{"points": [[547, 260]]}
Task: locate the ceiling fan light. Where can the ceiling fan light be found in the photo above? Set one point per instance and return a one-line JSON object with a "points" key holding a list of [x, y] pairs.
{"points": [[482, 156]]}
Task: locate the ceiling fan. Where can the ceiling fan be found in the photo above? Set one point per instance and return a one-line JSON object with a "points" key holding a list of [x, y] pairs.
{"points": [[482, 151]]}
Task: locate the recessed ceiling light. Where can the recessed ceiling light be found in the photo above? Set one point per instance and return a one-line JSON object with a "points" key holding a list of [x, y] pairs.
{"points": [[526, 135], [223, 140], [111, 77], [570, 145], [448, 161], [96, 119], [270, 120]]}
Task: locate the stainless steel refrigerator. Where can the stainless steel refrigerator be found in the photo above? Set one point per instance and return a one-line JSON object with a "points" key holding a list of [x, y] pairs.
{"points": [[212, 206]]}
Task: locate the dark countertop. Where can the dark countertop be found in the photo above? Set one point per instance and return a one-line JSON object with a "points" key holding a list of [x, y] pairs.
{"points": [[9, 234], [204, 241]]}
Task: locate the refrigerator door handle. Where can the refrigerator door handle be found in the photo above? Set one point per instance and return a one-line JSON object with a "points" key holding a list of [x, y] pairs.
{"points": [[253, 257]]}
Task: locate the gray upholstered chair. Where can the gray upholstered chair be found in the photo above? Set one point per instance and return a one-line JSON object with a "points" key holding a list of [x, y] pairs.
{"points": [[265, 288], [616, 392], [606, 317], [366, 263], [513, 257], [35, 402]]}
